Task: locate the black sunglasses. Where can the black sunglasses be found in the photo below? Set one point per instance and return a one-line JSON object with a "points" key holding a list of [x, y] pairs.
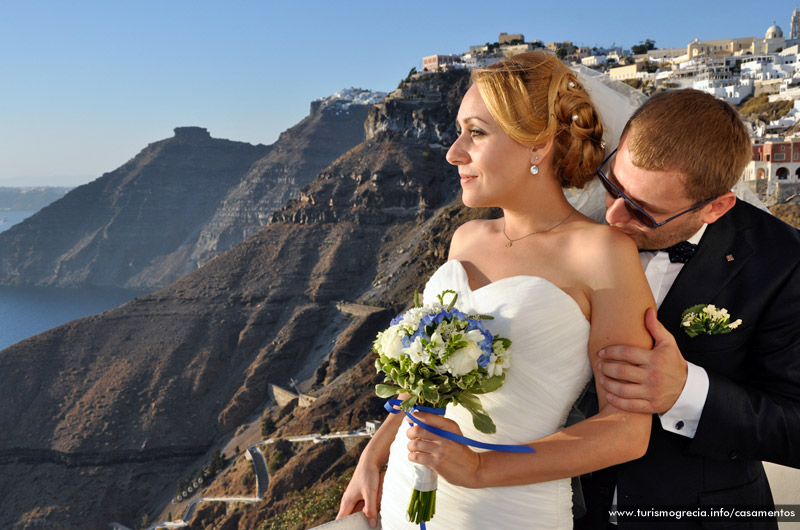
{"points": [[636, 211]]}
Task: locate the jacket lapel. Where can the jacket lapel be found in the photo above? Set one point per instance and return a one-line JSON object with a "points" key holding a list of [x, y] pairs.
{"points": [[721, 254]]}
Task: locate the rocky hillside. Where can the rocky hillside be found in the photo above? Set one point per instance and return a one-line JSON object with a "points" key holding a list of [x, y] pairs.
{"points": [[788, 213], [177, 204], [101, 417], [334, 125]]}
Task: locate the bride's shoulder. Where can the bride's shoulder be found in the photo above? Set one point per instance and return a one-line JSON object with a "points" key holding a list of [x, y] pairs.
{"points": [[603, 242], [472, 231], [477, 226]]}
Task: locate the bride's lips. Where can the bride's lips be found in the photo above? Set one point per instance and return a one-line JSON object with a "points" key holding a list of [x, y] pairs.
{"points": [[467, 178]]}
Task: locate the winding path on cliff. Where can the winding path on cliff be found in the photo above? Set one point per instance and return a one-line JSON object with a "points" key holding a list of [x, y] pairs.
{"points": [[262, 479]]}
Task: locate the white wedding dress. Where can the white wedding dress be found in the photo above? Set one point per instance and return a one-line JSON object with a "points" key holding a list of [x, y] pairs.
{"points": [[548, 370]]}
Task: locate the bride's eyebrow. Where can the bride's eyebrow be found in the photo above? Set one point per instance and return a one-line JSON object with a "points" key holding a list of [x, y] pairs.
{"points": [[473, 118]]}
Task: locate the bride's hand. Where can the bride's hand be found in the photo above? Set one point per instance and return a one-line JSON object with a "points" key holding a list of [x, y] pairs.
{"points": [[455, 462], [363, 493]]}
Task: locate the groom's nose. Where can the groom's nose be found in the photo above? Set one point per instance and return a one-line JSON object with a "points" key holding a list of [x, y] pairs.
{"points": [[616, 212]]}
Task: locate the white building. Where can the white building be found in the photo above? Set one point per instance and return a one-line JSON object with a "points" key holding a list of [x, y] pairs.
{"points": [[594, 60], [481, 60], [767, 67], [790, 118]]}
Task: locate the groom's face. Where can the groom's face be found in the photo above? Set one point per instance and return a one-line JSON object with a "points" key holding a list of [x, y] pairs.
{"points": [[659, 193]]}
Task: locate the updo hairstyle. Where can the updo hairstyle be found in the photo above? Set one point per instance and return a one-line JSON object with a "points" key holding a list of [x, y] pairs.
{"points": [[534, 97]]}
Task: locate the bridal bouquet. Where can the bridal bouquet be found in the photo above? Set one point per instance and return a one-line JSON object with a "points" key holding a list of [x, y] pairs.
{"points": [[439, 355]]}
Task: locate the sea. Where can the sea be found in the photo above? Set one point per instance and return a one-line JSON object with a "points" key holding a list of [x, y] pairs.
{"points": [[28, 311]]}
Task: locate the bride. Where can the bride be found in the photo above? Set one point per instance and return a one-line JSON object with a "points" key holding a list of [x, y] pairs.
{"points": [[559, 285]]}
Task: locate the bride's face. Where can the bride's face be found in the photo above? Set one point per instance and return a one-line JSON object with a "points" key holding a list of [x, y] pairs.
{"points": [[493, 167]]}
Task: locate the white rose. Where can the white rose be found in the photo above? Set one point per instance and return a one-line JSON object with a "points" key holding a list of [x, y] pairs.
{"points": [[416, 352], [465, 360], [391, 342]]}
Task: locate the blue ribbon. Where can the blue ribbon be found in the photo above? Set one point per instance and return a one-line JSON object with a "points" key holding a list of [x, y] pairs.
{"points": [[505, 448]]}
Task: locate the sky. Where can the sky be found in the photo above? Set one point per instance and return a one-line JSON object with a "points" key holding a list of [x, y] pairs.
{"points": [[85, 85]]}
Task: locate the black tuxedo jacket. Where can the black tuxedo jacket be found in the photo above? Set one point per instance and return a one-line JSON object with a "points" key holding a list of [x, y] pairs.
{"points": [[749, 263]]}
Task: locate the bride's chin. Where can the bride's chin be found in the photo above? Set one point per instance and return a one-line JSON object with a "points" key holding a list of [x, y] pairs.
{"points": [[471, 200], [471, 203]]}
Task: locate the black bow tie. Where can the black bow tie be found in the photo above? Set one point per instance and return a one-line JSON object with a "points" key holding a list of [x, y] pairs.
{"points": [[680, 252]]}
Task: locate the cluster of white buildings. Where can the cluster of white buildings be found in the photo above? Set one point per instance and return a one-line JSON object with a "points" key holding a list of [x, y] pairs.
{"points": [[730, 69]]}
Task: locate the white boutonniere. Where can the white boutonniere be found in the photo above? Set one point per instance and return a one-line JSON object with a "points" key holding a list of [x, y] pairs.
{"points": [[702, 319]]}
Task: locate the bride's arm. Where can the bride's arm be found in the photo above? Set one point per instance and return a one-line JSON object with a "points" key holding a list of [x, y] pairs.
{"points": [[363, 491], [619, 297]]}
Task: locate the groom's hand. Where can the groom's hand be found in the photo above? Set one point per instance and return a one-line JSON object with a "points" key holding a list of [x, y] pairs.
{"points": [[642, 380]]}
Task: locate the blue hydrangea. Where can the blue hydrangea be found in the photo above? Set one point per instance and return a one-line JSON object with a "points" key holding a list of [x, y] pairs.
{"points": [[483, 360], [396, 320]]}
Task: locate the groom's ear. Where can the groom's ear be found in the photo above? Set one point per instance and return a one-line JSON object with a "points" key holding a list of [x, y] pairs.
{"points": [[719, 207]]}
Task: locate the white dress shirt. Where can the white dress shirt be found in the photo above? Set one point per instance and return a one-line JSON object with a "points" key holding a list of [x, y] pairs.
{"points": [[684, 415]]}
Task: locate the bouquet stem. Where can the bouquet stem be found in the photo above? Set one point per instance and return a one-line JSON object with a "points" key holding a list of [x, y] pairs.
{"points": [[422, 506]]}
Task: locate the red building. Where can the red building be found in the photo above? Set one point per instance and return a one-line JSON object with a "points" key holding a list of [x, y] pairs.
{"points": [[775, 161], [434, 63]]}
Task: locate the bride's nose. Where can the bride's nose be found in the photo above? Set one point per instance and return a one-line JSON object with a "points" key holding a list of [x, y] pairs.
{"points": [[456, 155]]}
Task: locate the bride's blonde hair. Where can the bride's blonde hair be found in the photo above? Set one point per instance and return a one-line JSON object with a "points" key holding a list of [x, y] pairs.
{"points": [[534, 97]]}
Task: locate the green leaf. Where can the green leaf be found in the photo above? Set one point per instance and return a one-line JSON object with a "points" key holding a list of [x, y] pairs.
{"points": [[480, 419], [505, 342], [387, 391], [408, 403], [469, 380], [694, 309], [491, 384], [429, 393], [483, 422]]}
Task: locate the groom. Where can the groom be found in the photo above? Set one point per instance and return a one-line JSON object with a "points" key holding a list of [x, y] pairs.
{"points": [[722, 403]]}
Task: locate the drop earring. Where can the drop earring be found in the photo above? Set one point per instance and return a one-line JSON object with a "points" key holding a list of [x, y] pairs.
{"points": [[534, 167]]}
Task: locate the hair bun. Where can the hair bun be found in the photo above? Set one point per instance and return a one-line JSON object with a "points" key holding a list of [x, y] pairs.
{"points": [[579, 132], [534, 98]]}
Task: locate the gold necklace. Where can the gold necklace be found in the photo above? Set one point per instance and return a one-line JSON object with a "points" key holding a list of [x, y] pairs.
{"points": [[510, 241]]}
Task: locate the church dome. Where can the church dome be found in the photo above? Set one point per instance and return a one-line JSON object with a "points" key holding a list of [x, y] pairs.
{"points": [[774, 32]]}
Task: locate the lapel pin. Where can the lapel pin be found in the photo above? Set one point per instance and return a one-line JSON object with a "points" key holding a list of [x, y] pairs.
{"points": [[729, 257]]}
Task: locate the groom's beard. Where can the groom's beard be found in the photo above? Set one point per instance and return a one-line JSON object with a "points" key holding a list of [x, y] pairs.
{"points": [[663, 236]]}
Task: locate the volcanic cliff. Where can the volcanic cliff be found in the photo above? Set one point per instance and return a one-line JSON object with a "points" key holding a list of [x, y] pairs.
{"points": [[177, 204], [101, 417]]}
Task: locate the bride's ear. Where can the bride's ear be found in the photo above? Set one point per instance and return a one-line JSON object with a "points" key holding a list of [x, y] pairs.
{"points": [[541, 152]]}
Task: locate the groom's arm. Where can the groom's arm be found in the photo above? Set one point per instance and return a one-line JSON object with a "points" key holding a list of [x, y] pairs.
{"points": [[756, 417]]}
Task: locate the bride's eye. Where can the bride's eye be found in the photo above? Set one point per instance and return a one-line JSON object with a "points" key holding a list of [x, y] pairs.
{"points": [[476, 132]]}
